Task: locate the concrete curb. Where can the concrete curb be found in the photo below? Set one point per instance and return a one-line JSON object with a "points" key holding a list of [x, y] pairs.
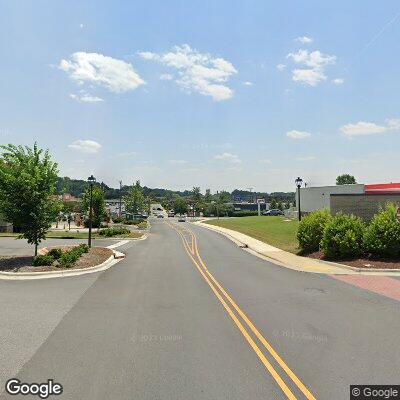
{"points": [[21, 276], [254, 251]]}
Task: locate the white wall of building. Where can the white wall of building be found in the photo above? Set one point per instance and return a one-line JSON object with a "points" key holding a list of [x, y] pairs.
{"points": [[315, 198]]}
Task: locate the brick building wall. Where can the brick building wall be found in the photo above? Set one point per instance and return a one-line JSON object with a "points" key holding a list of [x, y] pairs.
{"points": [[361, 205]]}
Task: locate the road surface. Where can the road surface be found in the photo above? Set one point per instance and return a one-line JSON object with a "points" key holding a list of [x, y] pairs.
{"points": [[192, 316]]}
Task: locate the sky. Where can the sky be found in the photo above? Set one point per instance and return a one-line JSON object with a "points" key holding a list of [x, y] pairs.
{"points": [[218, 94]]}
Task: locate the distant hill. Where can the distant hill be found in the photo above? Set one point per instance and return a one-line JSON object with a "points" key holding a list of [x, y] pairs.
{"points": [[76, 187]]}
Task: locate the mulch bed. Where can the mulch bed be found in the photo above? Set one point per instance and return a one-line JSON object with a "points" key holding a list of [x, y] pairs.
{"points": [[366, 262], [95, 256]]}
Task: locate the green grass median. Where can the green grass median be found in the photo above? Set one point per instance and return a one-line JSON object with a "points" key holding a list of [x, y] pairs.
{"points": [[276, 231]]}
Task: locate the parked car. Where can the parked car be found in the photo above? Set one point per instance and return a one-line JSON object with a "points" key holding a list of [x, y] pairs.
{"points": [[274, 212], [181, 219], [171, 214], [160, 216]]}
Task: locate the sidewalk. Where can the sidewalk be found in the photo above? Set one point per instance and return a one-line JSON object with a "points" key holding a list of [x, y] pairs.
{"points": [[289, 260]]}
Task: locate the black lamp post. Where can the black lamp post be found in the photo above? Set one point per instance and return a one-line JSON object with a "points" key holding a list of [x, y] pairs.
{"points": [[91, 181], [298, 181]]}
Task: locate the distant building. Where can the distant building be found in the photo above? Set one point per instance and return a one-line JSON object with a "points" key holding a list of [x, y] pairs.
{"points": [[361, 200], [68, 197]]}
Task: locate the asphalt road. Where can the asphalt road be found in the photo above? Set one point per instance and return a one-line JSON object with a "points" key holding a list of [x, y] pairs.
{"points": [[152, 327]]}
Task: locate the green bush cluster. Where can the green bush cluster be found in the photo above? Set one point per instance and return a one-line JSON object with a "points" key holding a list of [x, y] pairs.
{"points": [[311, 229], [345, 236], [382, 236], [64, 258], [133, 221], [117, 220], [69, 258], [117, 230], [42, 260], [142, 225], [243, 213]]}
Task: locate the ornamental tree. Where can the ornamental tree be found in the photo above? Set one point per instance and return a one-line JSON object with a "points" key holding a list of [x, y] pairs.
{"points": [[27, 190]]}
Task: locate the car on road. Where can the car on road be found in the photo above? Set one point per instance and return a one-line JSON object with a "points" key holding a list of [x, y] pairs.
{"points": [[181, 219], [171, 215], [274, 212], [160, 216]]}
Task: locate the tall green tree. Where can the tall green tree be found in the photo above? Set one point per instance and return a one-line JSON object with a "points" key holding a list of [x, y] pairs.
{"points": [[135, 200], [208, 196], [197, 198], [273, 204], [180, 205], [222, 199], [345, 179], [98, 205], [27, 190]]}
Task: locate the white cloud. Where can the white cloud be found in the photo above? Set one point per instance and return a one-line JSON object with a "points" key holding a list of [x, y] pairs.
{"points": [[363, 128], [281, 67], [393, 123], [248, 83], [315, 61], [298, 134], [199, 72], [166, 77], [228, 157], [178, 162], [93, 68], [338, 81], [304, 39], [85, 146], [309, 158], [310, 77], [85, 98]]}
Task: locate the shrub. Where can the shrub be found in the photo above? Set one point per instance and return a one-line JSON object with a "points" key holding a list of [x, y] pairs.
{"points": [[142, 225], [118, 230], [311, 229], [382, 236], [242, 213], [55, 253], [69, 258], [43, 260], [117, 220], [343, 237]]}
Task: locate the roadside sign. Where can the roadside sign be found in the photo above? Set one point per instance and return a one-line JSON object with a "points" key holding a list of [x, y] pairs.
{"points": [[398, 214]]}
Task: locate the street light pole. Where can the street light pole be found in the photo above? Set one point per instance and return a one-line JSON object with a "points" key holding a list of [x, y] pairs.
{"points": [[91, 181], [120, 199], [298, 181]]}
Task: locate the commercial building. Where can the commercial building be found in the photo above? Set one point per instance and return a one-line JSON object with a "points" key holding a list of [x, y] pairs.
{"points": [[361, 200]]}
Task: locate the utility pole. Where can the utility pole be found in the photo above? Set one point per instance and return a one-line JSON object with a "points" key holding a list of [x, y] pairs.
{"points": [[120, 199], [250, 189]]}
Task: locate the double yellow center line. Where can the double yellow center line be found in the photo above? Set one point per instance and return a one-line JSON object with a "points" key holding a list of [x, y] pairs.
{"points": [[190, 244]]}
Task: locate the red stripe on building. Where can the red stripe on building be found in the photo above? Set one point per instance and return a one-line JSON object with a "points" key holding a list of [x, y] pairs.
{"points": [[382, 188]]}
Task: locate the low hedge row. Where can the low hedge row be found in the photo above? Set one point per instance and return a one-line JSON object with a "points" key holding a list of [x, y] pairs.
{"points": [[117, 230], [345, 236], [61, 258]]}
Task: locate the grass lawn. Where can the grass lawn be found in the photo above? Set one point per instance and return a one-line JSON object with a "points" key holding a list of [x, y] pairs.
{"points": [[80, 235], [272, 230]]}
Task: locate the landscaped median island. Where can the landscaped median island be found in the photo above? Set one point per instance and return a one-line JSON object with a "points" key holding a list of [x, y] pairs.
{"points": [[343, 239], [57, 258]]}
